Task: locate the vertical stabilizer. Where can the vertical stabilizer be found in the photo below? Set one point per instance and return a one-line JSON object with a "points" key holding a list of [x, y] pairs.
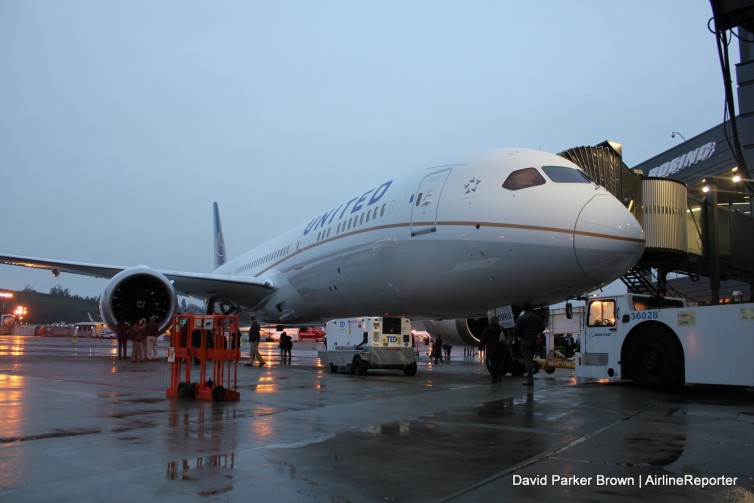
{"points": [[219, 240]]}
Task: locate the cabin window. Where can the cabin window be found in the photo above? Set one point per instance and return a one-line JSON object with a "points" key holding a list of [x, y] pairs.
{"points": [[523, 179], [563, 174]]}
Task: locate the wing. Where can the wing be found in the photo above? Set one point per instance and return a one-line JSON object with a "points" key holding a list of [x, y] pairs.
{"points": [[239, 290]]}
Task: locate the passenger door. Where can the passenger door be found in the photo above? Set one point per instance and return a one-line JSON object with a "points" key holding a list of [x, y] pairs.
{"points": [[427, 202]]}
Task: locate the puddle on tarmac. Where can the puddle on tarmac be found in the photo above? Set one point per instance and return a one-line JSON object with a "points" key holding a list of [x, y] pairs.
{"points": [[211, 475], [192, 469]]}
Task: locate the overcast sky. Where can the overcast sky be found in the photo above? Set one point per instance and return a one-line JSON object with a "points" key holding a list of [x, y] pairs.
{"points": [[122, 121]]}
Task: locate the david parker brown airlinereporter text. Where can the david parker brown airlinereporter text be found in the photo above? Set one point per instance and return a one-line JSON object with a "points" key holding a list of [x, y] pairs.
{"points": [[640, 481]]}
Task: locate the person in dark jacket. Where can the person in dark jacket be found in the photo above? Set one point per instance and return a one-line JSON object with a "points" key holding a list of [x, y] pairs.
{"points": [[493, 350], [139, 340], [528, 328], [122, 334], [286, 344], [254, 339], [437, 349]]}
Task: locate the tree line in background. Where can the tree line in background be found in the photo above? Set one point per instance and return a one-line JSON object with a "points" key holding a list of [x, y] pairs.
{"points": [[59, 291], [61, 306]]}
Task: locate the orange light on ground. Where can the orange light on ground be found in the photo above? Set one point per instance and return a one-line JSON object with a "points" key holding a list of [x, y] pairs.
{"points": [[266, 385]]}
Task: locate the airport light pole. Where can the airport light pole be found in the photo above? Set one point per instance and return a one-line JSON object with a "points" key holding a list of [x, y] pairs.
{"points": [[672, 135]]}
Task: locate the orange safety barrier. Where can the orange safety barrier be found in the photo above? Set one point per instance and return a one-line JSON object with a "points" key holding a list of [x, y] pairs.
{"points": [[196, 342]]}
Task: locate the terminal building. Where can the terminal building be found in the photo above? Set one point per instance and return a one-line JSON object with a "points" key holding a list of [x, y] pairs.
{"points": [[695, 199]]}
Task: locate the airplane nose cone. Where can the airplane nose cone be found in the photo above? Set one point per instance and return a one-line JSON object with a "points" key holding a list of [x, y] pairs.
{"points": [[608, 240]]}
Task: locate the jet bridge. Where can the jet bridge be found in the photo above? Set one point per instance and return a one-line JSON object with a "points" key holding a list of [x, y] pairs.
{"points": [[687, 233]]}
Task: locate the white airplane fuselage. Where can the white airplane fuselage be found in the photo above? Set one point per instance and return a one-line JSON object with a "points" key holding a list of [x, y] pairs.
{"points": [[448, 242]]}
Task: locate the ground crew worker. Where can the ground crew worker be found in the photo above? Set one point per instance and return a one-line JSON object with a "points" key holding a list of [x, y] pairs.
{"points": [[254, 338], [528, 328], [489, 342]]}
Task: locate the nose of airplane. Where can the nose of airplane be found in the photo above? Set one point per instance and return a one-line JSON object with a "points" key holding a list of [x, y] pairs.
{"points": [[607, 239]]}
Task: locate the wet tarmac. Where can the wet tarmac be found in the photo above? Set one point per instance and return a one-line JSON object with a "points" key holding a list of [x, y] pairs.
{"points": [[80, 425]]}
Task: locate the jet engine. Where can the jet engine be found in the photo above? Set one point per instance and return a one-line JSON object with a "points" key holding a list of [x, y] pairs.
{"points": [[458, 332], [135, 293]]}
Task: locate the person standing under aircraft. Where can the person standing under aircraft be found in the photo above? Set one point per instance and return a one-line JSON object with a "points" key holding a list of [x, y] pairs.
{"points": [[122, 334], [286, 344], [528, 328], [151, 338], [437, 350], [139, 337], [255, 332], [493, 350], [569, 345]]}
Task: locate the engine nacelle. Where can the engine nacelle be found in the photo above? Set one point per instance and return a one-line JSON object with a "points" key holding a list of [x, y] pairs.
{"points": [[458, 332], [138, 292]]}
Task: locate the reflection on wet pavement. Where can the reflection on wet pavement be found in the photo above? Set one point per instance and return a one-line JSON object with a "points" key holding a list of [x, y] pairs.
{"points": [[299, 433]]}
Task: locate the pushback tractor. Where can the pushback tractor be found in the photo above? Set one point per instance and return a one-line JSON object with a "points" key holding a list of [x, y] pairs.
{"points": [[662, 343]]}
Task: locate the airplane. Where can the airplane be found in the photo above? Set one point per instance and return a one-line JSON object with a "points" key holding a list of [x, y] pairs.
{"points": [[451, 242]]}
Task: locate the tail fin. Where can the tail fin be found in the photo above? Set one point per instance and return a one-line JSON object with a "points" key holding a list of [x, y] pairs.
{"points": [[219, 241]]}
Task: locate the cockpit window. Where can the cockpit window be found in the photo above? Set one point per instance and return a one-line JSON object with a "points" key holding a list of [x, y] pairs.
{"points": [[523, 178], [562, 174]]}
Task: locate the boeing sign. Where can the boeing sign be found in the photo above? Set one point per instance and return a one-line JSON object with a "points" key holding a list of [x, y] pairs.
{"points": [[684, 161]]}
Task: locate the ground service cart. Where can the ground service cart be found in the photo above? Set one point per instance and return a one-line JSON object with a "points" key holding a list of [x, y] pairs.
{"points": [[204, 353], [662, 343], [367, 343]]}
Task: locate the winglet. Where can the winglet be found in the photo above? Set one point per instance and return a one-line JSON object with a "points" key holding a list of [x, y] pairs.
{"points": [[219, 241]]}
